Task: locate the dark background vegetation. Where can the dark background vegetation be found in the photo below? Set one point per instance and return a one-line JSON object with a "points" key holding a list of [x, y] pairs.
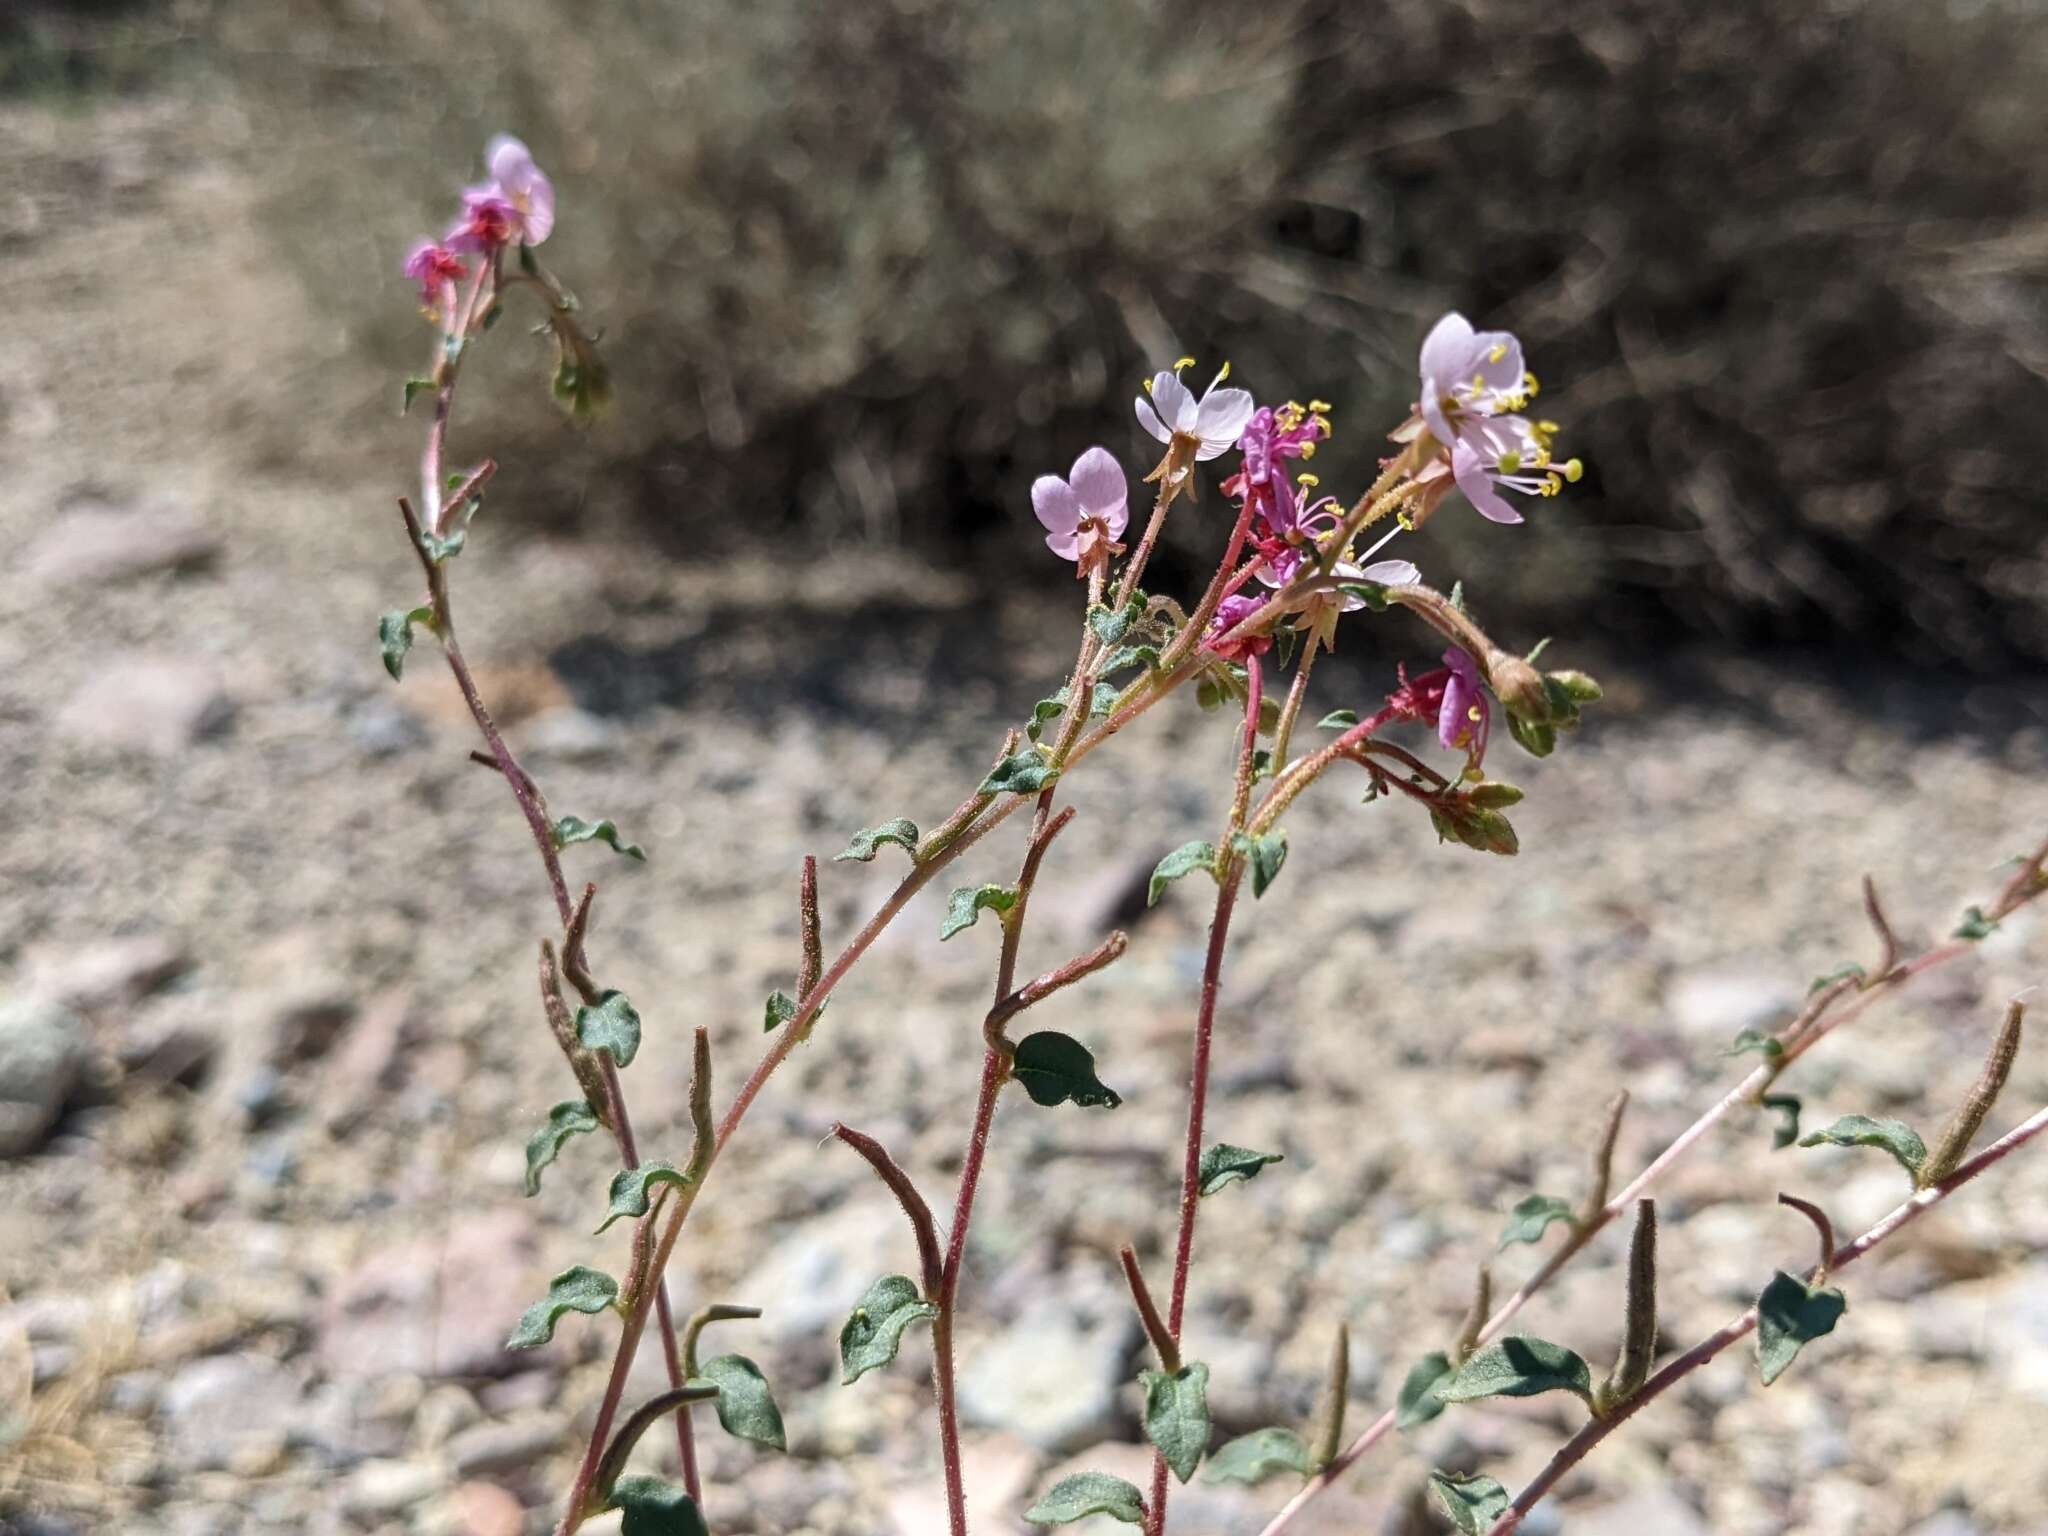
{"points": [[868, 268]]}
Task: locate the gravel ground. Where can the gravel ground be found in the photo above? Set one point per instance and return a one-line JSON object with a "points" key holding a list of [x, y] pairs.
{"points": [[272, 934]]}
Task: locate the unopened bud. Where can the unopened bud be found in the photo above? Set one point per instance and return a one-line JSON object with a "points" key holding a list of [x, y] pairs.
{"points": [[1581, 687], [1519, 686]]}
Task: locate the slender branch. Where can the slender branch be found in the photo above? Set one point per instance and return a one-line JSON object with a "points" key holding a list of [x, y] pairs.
{"points": [[1164, 1344], [891, 1173], [1581, 1444], [1842, 1004]]}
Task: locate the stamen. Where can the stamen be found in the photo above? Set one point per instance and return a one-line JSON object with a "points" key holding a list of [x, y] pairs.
{"points": [[1573, 469], [1186, 362]]}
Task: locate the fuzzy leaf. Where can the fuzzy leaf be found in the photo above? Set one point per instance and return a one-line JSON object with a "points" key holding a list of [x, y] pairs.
{"points": [[1048, 710], [574, 829], [571, 1117], [966, 904], [1518, 1367], [633, 1188], [1791, 1314], [1370, 593], [1786, 1107], [1112, 624], [746, 1408], [576, 1289], [902, 832], [1975, 925], [1338, 720], [1184, 860], [1531, 1218], [1839, 973], [1765, 1044], [1893, 1136], [1126, 656], [1024, 772], [1265, 853], [1058, 1069], [655, 1508], [1251, 1459], [780, 1010], [412, 389], [611, 1025], [1472, 1503], [1224, 1164], [874, 1332], [1419, 1402], [1088, 1493], [1536, 740], [394, 635], [1177, 1415]]}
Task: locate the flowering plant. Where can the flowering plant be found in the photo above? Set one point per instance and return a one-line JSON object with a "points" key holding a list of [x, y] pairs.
{"points": [[1292, 565]]}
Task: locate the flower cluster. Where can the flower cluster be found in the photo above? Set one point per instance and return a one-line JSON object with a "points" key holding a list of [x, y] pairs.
{"points": [[515, 206], [1474, 387]]}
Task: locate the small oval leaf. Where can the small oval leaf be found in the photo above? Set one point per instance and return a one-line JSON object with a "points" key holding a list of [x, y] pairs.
{"points": [[1420, 1401], [1184, 860], [746, 1408], [874, 1332], [1058, 1069], [1518, 1367], [1224, 1164], [969, 901], [1088, 1493], [1177, 1415], [574, 829], [1791, 1314], [632, 1189], [1531, 1218], [1252, 1459], [571, 1117], [868, 841], [1472, 1503], [1893, 1136], [576, 1289]]}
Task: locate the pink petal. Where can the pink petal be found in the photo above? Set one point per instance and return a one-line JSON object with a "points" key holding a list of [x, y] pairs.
{"points": [[1446, 354], [1066, 545], [1054, 502], [1149, 420], [1101, 489], [1176, 405], [1477, 485], [1393, 573]]}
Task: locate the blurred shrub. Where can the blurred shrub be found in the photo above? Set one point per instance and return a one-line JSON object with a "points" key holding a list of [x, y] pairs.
{"points": [[869, 267]]}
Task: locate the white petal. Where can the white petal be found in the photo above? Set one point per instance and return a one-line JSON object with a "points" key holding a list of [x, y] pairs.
{"points": [[1497, 361], [1478, 488], [1101, 489], [1149, 420], [1176, 405], [1066, 545], [1446, 354], [1392, 573], [1221, 419], [1054, 502]]}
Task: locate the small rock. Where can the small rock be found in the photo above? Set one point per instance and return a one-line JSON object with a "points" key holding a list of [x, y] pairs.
{"points": [[229, 1411], [1650, 1509], [113, 973], [569, 732], [43, 1057], [1947, 1522], [93, 543], [387, 1487], [444, 1412], [146, 703], [812, 1277], [366, 1065], [437, 1306], [485, 1509], [1720, 1004], [1053, 1374], [381, 728], [488, 1448]]}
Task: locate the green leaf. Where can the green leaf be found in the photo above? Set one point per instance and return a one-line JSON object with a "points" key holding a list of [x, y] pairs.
{"points": [[1786, 1107], [1577, 686], [1791, 1314], [1473, 1503], [576, 1289], [412, 388], [394, 634], [1493, 795], [1112, 624], [1251, 1459], [655, 1508], [633, 1188], [1839, 973], [1518, 1367], [1088, 1493], [1024, 772], [612, 1025], [1184, 860], [1765, 1044], [1338, 720], [1371, 593], [1224, 1164], [866, 842], [1284, 642], [1265, 853], [571, 1117], [1893, 1136], [1057, 1069], [1531, 1218], [780, 1010], [1126, 656], [874, 1332], [1419, 1401], [1177, 1415], [1975, 925], [582, 385], [746, 1408], [966, 904], [574, 829], [1099, 704]]}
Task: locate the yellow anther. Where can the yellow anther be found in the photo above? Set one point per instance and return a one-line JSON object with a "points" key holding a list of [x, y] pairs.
{"points": [[1310, 479], [1515, 402], [1221, 373], [1320, 405], [1548, 428], [1407, 523], [1472, 713], [1552, 486], [1573, 469], [1186, 362], [1529, 383], [1510, 462], [1308, 450], [1499, 351], [1148, 386]]}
